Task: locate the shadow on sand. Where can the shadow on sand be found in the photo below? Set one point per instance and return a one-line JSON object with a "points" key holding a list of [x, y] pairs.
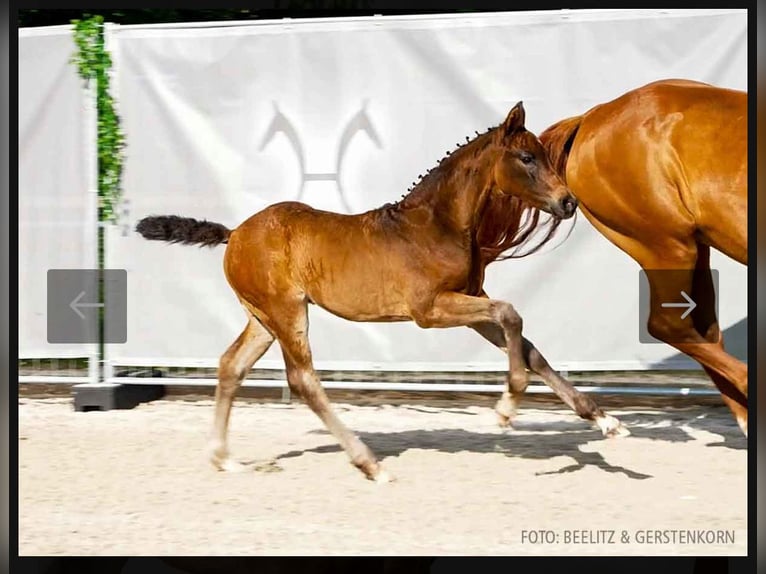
{"points": [[545, 440]]}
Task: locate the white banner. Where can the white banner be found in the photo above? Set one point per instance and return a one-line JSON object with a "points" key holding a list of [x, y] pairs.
{"points": [[343, 114], [57, 180]]}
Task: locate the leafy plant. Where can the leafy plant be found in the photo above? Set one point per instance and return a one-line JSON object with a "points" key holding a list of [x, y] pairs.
{"points": [[93, 64]]}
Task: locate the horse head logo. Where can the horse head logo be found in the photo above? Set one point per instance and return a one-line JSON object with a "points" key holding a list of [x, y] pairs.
{"points": [[358, 123]]}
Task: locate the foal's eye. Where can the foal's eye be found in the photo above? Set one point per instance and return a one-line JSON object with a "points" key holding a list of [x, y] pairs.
{"points": [[526, 157]]}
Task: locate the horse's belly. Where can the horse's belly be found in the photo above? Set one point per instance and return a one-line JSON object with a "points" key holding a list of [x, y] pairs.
{"points": [[365, 295], [367, 313]]}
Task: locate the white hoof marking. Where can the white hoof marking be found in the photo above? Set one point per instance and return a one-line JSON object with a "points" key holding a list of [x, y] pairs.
{"points": [[743, 425], [611, 427], [384, 477], [230, 465]]}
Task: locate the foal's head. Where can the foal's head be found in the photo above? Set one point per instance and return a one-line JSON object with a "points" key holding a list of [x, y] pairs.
{"points": [[522, 168]]}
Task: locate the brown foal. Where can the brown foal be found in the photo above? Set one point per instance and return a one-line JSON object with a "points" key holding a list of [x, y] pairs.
{"points": [[421, 259]]}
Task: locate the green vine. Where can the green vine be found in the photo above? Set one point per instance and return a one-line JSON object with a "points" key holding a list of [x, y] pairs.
{"points": [[93, 63]]}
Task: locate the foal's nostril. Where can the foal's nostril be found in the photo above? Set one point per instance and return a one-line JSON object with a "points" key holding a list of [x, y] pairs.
{"points": [[569, 205]]}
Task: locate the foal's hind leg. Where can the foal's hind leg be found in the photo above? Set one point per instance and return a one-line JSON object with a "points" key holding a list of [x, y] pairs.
{"points": [[579, 402], [234, 365], [292, 333]]}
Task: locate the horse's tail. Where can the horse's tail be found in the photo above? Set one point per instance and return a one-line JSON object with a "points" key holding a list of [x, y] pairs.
{"points": [[186, 230], [557, 141]]}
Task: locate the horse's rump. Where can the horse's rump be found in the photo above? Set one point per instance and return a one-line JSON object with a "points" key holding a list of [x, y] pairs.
{"points": [[557, 141]]}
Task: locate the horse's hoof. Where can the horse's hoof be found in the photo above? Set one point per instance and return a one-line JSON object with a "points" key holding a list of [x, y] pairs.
{"points": [[743, 425], [611, 427]]}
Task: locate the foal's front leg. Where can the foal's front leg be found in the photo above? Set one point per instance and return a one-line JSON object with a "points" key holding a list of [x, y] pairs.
{"points": [[456, 309], [579, 402]]}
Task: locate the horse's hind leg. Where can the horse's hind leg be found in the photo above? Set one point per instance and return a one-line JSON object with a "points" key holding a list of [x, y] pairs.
{"points": [[697, 335], [681, 264], [234, 365], [292, 333], [733, 392]]}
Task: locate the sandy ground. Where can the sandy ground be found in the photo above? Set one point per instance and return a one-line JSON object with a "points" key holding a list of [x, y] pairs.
{"points": [[137, 482]]}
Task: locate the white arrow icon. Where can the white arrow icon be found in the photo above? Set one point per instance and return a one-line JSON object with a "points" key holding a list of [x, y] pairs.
{"points": [[690, 305], [76, 303]]}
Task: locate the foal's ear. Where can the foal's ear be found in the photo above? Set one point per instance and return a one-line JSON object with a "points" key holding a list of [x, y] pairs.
{"points": [[515, 119]]}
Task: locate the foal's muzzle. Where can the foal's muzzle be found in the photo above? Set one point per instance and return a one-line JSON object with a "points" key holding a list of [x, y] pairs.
{"points": [[566, 207]]}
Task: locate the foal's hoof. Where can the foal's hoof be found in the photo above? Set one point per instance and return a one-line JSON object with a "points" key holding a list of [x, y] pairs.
{"points": [[505, 409], [611, 427], [383, 477], [504, 421], [229, 465], [373, 470], [620, 431]]}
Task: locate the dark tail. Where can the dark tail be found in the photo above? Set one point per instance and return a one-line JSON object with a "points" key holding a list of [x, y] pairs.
{"points": [[186, 230], [557, 141]]}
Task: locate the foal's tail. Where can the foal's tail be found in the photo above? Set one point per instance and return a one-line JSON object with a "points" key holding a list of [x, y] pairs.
{"points": [[186, 230], [557, 141]]}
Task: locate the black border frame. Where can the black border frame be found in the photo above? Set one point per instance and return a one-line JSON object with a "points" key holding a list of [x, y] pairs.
{"points": [[106, 565]]}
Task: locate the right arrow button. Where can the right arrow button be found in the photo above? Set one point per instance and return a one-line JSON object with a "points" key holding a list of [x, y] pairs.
{"points": [[689, 305]]}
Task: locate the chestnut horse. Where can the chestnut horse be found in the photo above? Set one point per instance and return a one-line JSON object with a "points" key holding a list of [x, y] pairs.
{"points": [[421, 259], [661, 172]]}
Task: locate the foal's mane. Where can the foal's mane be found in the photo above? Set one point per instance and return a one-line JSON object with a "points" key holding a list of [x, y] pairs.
{"points": [[504, 224], [510, 228]]}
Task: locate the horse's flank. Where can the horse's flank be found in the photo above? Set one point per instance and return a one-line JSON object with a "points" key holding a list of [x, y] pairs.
{"points": [[661, 172]]}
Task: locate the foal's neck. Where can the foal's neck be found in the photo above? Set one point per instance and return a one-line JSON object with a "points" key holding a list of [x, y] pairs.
{"points": [[455, 189], [465, 183]]}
